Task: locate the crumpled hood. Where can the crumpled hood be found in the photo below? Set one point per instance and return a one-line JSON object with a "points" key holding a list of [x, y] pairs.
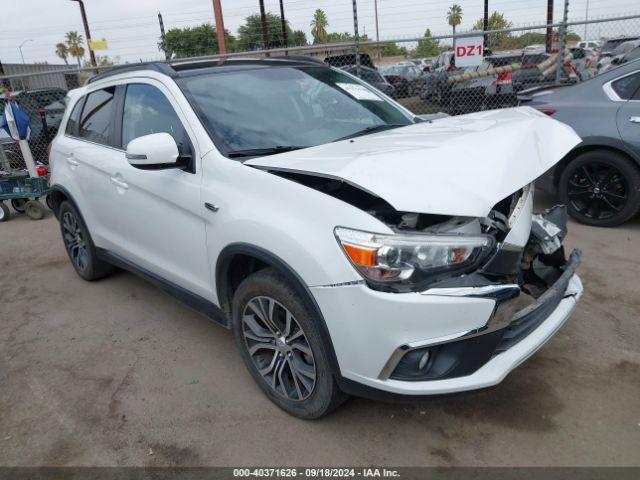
{"points": [[454, 166]]}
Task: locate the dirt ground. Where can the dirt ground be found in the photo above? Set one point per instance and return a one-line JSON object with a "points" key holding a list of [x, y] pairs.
{"points": [[117, 373]]}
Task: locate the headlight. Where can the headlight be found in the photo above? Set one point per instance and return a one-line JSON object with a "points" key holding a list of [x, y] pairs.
{"points": [[410, 258]]}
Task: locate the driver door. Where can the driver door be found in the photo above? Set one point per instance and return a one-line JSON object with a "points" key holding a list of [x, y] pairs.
{"points": [[159, 212]]}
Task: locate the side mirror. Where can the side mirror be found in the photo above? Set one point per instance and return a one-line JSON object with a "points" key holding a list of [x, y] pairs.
{"points": [[152, 152]]}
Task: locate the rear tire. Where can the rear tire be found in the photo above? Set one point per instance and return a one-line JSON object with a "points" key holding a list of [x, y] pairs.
{"points": [[79, 246], [279, 335], [601, 188]]}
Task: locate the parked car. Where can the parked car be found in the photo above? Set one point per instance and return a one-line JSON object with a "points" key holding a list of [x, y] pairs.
{"points": [[423, 64], [406, 79], [590, 44], [372, 77], [606, 52], [351, 246], [484, 92], [536, 48], [599, 180], [530, 76], [618, 54]]}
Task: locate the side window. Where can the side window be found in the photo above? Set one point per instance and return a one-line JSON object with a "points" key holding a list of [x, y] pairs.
{"points": [[625, 87], [74, 119], [96, 116], [147, 111]]}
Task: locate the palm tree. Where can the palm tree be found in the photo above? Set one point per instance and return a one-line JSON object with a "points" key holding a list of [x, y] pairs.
{"points": [[63, 52], [74, 43], [319, 26], [454, 18]]}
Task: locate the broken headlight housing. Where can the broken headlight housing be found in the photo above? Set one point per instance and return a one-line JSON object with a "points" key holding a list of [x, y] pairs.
{"points": [[411, 259]]}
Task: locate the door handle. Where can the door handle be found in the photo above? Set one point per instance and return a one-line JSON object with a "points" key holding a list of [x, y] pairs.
{"points": [[211, 206], [634, 119], [72, 162], [119, 183]]}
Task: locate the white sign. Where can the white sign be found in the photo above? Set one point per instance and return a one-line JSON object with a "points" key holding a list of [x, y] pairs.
{"points": [[469, 51], [359, 92]]}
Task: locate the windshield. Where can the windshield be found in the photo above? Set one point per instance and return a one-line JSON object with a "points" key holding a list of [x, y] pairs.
{"points": [[272, 108]]}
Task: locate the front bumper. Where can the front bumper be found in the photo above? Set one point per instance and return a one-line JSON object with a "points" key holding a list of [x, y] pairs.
{"points": [[369, 328]]}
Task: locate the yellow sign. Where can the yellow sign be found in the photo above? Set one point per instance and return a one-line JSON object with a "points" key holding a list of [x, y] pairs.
{"points": [[98, 44]]}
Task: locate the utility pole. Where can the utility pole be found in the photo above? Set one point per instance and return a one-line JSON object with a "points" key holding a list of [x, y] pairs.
{"points": [[375, 7], [162, 36], [355, 31], [485, 22], [549, 27], [586, 19], [265, 30], [87, 33], [285, 41], [222, 41]]}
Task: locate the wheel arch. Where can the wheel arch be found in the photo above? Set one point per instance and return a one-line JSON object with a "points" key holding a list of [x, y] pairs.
{"points": [[250, 258], [607, 144]]}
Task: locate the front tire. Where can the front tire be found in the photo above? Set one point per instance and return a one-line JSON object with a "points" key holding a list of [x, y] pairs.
{"points": [[279, 339], [5, 214], [601, 188], [79, 246]]}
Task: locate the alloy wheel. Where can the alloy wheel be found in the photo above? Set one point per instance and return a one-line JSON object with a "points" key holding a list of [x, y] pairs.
{"points": [[74, 241], [598, 190], [279, 348]]}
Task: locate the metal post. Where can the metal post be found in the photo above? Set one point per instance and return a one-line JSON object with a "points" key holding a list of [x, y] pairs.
{"points": [[355, 31], [549, 22], [87, 33], [375, 6], [217, 13], [265, 30], [586, 19], [163, 37], [20, 48], [485, 22], [562, 42], [283, 22]]}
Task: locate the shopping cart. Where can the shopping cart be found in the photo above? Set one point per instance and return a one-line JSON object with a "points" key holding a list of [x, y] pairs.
{"points": [[23, 191]]}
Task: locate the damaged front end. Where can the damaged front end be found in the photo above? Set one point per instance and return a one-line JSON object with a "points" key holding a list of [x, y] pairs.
{"points": [[527, 285]]}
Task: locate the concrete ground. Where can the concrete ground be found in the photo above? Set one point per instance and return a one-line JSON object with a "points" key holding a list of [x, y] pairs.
{"points": [[117, 373]]}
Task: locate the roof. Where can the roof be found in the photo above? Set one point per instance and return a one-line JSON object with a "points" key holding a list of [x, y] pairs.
{"points": [[178, 68]]}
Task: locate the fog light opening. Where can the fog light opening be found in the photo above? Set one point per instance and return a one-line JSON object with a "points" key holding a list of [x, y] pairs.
{"points": [[424, 360]]}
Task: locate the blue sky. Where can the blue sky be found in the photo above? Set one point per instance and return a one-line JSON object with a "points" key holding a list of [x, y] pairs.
{"points": [[131, 26]]}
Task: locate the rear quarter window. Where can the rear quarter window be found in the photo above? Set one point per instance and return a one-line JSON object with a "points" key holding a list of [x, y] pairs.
{"points": [[627, 86]]}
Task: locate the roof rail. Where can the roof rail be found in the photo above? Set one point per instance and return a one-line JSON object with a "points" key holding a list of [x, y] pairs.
{"points": [[160, 67]]}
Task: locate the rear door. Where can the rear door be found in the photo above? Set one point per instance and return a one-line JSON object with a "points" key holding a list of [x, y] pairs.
{"points": [[628, 117], [89, 159]]}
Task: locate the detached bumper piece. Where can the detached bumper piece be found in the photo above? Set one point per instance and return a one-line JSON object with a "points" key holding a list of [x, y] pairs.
{"points": [[520, 309]]}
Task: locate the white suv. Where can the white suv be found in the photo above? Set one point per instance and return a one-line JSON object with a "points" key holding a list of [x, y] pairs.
{"points": [[352, 247]]}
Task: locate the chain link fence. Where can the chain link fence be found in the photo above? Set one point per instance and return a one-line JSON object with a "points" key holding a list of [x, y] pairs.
{"points": [[420, 73]]}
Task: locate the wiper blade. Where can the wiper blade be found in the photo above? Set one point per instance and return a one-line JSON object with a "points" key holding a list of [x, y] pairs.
{"points": [[258, 152], [371, 129]]}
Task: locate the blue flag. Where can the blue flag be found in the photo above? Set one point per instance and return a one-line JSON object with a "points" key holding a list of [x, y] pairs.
{"points": [[15, 122]]}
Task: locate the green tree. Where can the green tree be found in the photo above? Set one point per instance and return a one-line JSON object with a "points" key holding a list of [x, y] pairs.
{"points": [[298, 39], [62, 51], [393, 50], [75, 46], [454, 18], [194, 41], [250, 34], [496, 22], [319, 25], [427, 47]]}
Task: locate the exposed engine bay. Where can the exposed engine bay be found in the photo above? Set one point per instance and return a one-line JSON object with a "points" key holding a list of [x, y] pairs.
{"points": [[535, 268]]}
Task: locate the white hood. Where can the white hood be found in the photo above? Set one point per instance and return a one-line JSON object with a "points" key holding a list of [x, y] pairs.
{"points": [[454, 166]]}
